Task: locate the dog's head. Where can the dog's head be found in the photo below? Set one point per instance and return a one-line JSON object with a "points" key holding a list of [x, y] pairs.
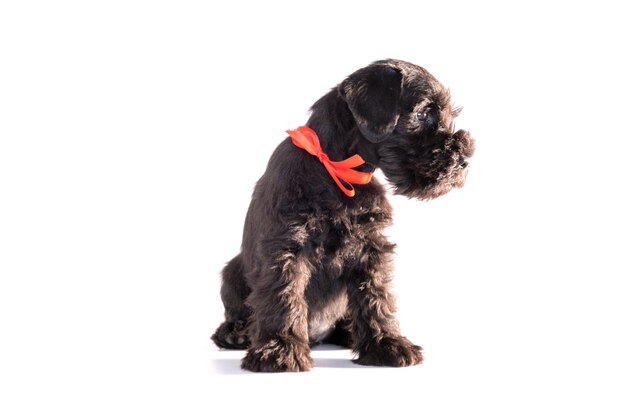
{"points": [[406, 115]]}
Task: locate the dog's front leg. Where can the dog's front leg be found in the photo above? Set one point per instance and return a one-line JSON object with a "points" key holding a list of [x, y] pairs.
{"points": [[279, 328], [375, 331]]}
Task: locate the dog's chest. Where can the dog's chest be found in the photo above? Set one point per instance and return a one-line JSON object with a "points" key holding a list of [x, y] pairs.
{"points": [[337, 239], [336, 243]]}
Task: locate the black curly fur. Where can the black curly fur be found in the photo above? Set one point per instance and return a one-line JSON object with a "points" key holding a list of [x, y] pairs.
{"points": [[315, 264]]}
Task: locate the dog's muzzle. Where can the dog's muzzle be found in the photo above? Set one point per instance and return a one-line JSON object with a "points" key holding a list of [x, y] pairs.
{"points": [[466, 144]]}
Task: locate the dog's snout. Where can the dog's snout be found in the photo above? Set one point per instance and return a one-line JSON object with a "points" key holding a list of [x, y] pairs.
{"points": [[466, 141], [462, 162]]}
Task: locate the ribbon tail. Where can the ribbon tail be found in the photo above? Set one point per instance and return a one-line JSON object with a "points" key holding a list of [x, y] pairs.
{"points": [[350, 192], [353, 176], [352, 162], [344, 171]]}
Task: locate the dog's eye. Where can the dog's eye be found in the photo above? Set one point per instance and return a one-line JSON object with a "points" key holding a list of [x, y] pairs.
{"points": [[427, 117]]}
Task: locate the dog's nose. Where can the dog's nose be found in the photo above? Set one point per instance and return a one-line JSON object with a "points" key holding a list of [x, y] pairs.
{"points": [[462, 162]]}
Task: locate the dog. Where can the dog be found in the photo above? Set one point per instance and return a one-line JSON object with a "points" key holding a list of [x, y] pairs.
{"points": [[315, 265]]}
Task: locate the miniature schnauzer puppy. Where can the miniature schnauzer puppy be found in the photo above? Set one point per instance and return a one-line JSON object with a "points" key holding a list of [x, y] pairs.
{"points": [[315, 265]]}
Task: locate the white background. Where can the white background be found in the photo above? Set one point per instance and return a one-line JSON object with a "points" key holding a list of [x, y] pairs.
{"points": [[131, 136]]}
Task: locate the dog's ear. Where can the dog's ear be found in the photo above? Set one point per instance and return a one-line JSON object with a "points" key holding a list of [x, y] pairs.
{"points": [[373, 96]]}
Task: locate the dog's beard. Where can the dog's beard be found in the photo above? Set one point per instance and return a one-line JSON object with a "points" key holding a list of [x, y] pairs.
{"points": [[426, 168]]}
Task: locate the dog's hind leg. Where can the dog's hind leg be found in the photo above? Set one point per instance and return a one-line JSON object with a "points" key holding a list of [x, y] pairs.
{"points": [[232, 333]]}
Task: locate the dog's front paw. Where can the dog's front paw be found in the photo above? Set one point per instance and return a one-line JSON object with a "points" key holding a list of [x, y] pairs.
{"points": [[390, 351], [278, 356]]}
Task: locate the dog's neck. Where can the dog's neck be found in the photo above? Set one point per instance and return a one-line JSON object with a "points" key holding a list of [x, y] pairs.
{"points": [[331, 119]]}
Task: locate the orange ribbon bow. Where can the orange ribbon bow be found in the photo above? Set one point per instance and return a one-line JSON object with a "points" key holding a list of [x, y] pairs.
{"points": [[304, 137]]}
